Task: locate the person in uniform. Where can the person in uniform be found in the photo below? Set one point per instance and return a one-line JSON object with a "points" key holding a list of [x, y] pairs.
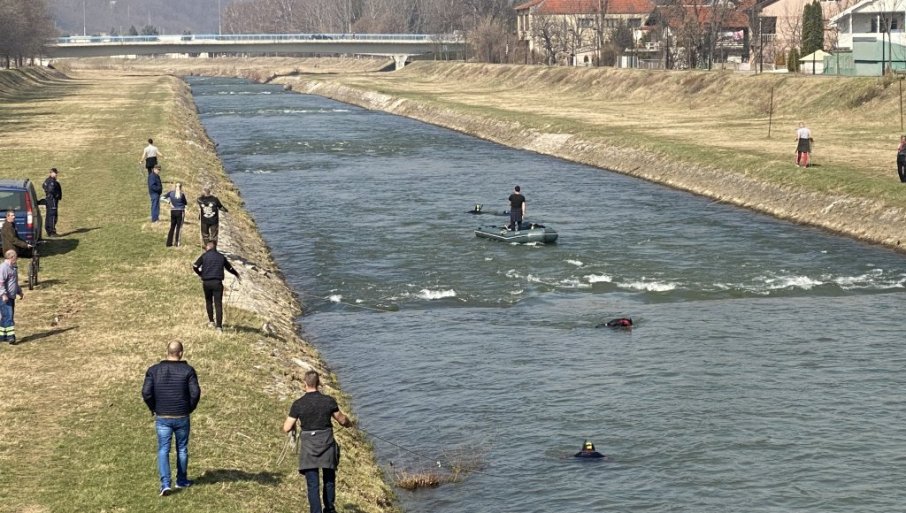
{"points": [[53, 193], [588, 451], [619, 323], [318, 448]]}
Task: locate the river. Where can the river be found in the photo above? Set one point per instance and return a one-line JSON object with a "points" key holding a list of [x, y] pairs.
{"points": [[764, 371]]}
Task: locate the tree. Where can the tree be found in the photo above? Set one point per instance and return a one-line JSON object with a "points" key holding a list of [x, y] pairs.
{"points": [[792, 61], [149, 30], [488, 40], [622, 37], [24, 27], [812, 28]]}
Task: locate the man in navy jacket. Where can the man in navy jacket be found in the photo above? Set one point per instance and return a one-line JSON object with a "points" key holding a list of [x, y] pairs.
{"points": [[171, 392], [155, 188]]}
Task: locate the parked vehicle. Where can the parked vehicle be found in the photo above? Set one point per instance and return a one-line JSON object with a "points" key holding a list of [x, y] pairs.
{"points": [[19, 196]]}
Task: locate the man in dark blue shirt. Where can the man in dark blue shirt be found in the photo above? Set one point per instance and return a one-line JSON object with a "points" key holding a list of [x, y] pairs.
{"points": [[172, 393], [155, 188]]}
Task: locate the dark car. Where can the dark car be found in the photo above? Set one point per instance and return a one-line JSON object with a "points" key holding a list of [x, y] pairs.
{"points": [[19, 195]]}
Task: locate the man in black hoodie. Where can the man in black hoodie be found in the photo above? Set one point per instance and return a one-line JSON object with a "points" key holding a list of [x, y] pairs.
{"points": [[209, 267], [171, 392]]}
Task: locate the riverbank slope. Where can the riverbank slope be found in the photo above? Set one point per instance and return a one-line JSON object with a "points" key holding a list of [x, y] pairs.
{"points": [[74, 433]]}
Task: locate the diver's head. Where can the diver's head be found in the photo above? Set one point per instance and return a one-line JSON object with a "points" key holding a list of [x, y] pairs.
{"points": [[588, 446]]}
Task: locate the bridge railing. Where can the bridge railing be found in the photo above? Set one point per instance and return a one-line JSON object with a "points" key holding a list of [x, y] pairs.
{"points": [[82, 40]]}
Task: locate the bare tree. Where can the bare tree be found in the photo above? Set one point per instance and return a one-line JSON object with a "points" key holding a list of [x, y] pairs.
{"points": [[546, 31], [488, 40], [24, 27]]}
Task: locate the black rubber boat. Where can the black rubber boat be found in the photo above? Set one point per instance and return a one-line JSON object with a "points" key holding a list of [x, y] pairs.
{"points": [[527, 232]]}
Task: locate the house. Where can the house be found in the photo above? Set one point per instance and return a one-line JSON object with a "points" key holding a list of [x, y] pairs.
{"points": [[813, 63], [870, 37], [573, 31], [779, 28], [688, 33], [701, 33]]}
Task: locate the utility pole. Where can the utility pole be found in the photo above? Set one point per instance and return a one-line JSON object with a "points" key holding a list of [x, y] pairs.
{"points": [[84, 20], [219, 19]]}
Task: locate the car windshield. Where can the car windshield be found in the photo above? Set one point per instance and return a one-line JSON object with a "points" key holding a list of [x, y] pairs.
{"points": [[10, 200]]}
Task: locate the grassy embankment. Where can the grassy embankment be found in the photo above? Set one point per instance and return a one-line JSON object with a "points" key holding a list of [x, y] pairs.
{"points": [[74, 433]]}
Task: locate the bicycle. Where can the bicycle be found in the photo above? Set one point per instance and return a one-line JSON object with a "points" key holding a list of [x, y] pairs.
{"points": [[34, 266]]}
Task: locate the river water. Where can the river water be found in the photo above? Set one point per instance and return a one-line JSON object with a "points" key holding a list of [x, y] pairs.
{"points": [[764, 373]]}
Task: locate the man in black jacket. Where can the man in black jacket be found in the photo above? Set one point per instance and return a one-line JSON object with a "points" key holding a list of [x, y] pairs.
{"points": [[209, 267], [171, 392]]}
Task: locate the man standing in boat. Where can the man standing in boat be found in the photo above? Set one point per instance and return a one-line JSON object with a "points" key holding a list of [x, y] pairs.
{"points": [[517, 209]]}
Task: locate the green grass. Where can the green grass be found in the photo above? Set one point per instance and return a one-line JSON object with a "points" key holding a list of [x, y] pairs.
{"points": [[75, 435]]}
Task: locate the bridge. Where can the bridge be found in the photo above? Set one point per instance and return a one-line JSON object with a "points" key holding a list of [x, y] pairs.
{"points": [[398, 46]]}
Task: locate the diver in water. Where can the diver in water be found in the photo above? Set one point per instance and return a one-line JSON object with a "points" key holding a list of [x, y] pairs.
{"points": [[476, 210], [588, 451], [621, 323]]}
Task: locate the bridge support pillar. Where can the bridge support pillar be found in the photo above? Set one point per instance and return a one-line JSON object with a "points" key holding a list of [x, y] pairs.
{"points": [[399, 61]]}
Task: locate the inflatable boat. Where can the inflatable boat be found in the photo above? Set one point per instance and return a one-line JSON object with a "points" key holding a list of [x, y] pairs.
{"points": [[527, 232]]}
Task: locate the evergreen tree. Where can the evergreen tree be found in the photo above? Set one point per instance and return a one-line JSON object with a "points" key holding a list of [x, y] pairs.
{"points": [[792, 60], [812, 28]]}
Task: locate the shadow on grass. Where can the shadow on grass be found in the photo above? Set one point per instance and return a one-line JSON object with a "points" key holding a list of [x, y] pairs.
{"points": [[80, 230], [49, 333], [233, 475], [58, 246], [47, 284]]}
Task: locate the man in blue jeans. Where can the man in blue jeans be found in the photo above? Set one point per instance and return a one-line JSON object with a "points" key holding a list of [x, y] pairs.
{"points": [[171, 392], [155, 188], [318, 449]]}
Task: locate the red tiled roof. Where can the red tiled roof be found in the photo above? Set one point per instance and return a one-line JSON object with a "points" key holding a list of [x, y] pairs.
{"points": [[554, 7], [526, 5], [735, 19]]}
